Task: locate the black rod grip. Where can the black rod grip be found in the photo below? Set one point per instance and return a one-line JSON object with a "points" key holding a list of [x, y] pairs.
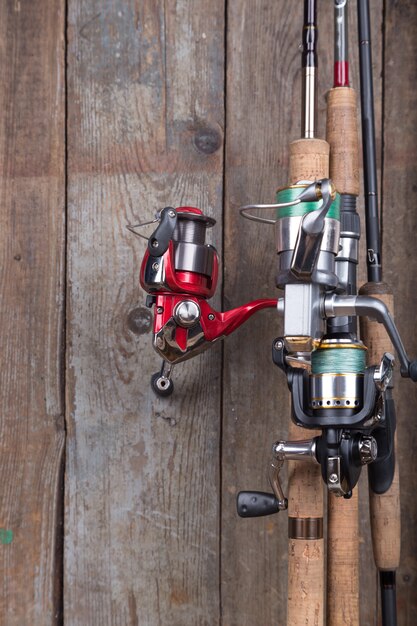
{"points": [[388, 598]]}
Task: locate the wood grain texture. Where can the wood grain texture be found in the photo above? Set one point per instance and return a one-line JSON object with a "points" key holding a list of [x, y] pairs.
{"points": [[399, 235], [145, 128], [263, 91], [145, 102], [32, 215], [255, 398]]}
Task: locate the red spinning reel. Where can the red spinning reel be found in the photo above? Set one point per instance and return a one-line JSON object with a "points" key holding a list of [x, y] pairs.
{"points": [[179, 272]]}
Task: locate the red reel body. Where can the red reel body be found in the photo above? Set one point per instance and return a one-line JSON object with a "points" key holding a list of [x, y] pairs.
{"points": [[185, 325], [188, 265], [160, 275], [180, 272]]}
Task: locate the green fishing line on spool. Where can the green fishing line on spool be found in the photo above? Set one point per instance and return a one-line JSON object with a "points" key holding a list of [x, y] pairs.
{"points": [[291, 193], [338, 360]]}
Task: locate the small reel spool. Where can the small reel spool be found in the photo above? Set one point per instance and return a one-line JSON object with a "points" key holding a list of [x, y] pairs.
{"points": [[192, 254], [337, 374], [306, 245], [185, 263]]}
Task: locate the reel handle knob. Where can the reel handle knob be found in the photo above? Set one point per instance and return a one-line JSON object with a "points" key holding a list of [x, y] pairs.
{"points": [[161, 382], [256, 504], [412, 371], [162, 386]]}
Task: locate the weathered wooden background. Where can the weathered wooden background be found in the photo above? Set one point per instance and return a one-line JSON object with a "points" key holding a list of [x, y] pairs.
{"points": [[117, 507]]}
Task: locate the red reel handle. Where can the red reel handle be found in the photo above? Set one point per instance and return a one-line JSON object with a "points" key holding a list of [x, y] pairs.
{"points": [[225, 323], [185, 324]]}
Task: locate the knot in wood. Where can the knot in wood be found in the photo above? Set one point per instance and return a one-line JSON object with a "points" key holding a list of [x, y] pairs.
{"points": [[207, 140], [139, 320]]}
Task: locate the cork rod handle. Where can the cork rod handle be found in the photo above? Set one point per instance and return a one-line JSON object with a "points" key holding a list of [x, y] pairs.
{"points": [[343, 519], [385, 508], [309, 160]]}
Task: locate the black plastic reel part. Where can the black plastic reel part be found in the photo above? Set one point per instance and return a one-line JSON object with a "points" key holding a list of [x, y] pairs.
{"points": [[256, 504], [381, 471], [163, 387], [345, 445], [387, 584], [159, 240]]}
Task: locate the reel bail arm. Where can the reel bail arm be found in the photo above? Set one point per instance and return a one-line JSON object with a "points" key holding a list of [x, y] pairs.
{"points": [[310, 234], [374, 308]]}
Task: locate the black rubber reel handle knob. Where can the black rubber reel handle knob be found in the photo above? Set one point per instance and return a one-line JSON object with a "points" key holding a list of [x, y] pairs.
{"points": [[256, 504], [412, 371]]}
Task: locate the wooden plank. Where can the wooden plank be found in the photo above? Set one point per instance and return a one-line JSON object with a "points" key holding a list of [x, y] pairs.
{"points": [[399, 228], [263, 100], [262, 95], [32, 246], [145, 106]]}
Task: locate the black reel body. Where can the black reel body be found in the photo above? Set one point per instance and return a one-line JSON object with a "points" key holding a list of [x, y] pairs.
{"points": [[347, 401]]}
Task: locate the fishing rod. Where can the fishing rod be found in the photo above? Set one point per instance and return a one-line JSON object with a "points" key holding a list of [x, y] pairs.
{"points": [[340, 397], [342, 135], [383, 476], [309, 161]]}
